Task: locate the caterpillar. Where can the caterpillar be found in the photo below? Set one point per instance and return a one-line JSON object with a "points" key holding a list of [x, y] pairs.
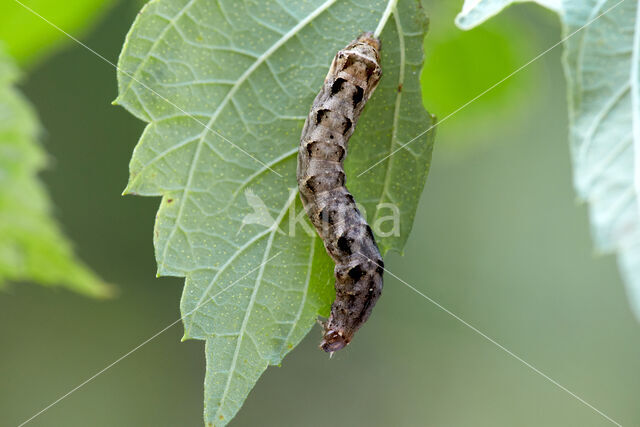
{"points": [[348, 239]]}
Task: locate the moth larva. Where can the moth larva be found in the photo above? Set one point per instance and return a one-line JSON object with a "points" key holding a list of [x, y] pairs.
{"points": [[353, 76]]}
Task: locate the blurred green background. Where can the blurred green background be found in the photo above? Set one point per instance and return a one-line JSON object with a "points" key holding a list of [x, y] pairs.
{"points": [[498, 240]]}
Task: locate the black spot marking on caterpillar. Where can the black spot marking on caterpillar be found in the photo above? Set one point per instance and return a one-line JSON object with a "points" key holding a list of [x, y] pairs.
{"points": [[310, 184], [350, 198], [356, 272], [346, 126], [310, 147], [354, 75], [326, 215], [380, 265], [344, 244], [320, 115], [337, 85], [369, 231], [357, 96]]}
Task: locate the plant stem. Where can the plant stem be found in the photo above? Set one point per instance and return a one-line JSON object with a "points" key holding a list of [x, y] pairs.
{"points": [[391, 8]]}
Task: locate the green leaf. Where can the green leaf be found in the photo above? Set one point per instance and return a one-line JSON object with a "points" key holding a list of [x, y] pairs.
{"points": [[475, 12], [28, 36], [32, 248], [226, 87], [601, 60]]}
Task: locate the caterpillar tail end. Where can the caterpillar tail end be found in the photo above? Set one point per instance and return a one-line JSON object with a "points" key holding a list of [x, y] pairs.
{"points": [[370, 39]]}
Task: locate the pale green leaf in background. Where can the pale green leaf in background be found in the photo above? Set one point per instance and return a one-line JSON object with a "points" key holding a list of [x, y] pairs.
{"points": [[32, 248], [249, 71], [475, 12], [28, 38], [601, 62]]}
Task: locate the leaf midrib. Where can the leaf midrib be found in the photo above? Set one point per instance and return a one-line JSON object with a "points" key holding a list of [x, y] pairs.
{"points": [[396, 112]]}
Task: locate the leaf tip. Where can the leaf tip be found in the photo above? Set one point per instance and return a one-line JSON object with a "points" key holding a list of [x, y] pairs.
{"points": [[107, 291], [461, 22], [96, 289], [128, 191]]}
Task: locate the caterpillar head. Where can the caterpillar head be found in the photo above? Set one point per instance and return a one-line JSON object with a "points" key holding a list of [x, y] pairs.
{"points": [[333, 341]]}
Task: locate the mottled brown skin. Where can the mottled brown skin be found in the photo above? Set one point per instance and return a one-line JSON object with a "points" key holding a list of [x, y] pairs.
{"points": [[354, 75]]}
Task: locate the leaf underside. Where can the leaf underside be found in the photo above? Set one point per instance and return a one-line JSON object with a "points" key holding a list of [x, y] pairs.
{"points": [[601, 67], [225, 87], [475, 12], [601, 62], [32, 248]]}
